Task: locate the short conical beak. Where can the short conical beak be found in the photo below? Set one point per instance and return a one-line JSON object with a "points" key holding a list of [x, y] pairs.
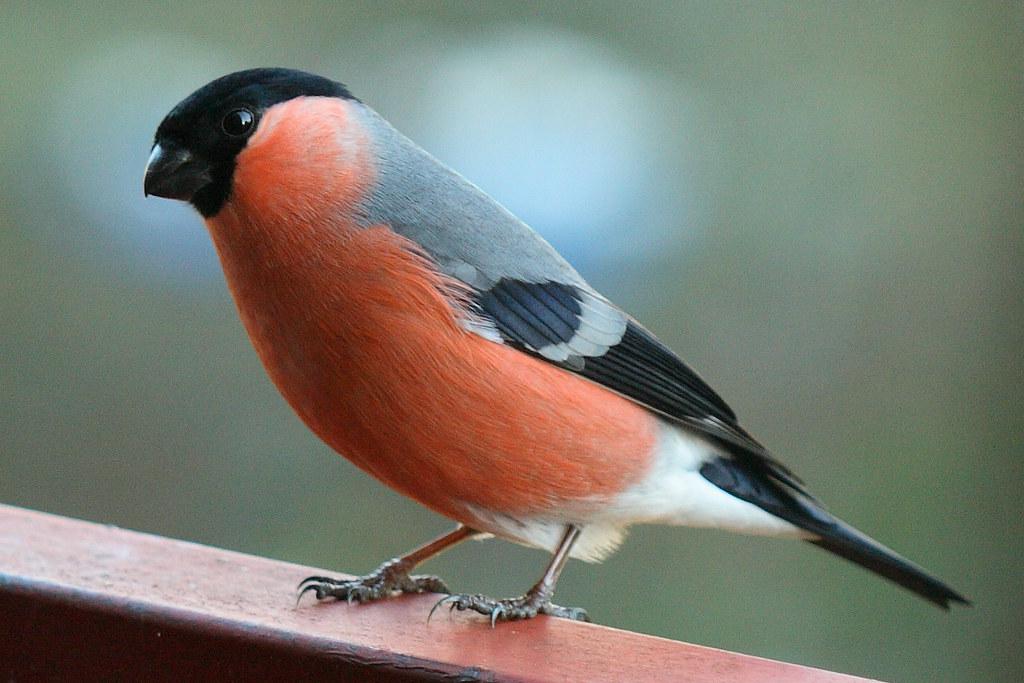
{"points": [[174, 172]]}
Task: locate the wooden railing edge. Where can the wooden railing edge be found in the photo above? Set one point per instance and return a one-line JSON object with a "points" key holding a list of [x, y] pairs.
{"points": [[86, 601]]}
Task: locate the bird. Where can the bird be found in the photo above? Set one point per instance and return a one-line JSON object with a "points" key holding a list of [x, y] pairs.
{"points": [[445, 348]]}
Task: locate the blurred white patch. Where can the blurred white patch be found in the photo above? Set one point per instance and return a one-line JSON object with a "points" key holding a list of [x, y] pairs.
{"points": [[105, 113], [592, 151], [596, 153]]}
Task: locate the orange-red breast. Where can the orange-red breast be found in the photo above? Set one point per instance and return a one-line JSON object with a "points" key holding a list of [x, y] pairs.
{"points": [[441, 345]]}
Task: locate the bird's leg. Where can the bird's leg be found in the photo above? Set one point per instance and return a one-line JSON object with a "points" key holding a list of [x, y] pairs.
{"points": [[391, 577], [536, 601]]}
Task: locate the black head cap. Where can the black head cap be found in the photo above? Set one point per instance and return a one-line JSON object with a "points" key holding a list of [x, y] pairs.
{"points": [[201, 137]]}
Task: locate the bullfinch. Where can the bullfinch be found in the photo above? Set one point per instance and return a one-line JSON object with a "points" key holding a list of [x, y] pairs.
{"points": [[440, 344]]}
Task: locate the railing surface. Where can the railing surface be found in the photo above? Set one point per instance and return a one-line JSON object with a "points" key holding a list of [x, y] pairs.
{"points": [[84, 601]]}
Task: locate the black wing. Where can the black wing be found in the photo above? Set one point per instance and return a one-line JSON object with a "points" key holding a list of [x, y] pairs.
{"points": [[582, 332]]}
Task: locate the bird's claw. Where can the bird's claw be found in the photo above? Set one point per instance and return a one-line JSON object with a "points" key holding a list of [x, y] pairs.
{"points": [[389, 579], [509, 609]]}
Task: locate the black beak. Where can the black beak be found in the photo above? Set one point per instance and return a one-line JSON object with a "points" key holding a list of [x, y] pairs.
{"points": [[175, 173]]}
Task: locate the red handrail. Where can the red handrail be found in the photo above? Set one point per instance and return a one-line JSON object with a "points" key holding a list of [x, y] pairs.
{"points": [[84, 601]]}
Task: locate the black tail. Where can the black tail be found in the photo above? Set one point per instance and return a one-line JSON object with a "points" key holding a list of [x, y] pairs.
{"points": [[797, 507], [845, 541]]}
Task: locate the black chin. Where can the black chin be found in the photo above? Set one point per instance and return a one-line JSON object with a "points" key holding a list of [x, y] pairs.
{"points": [[210, 198]]}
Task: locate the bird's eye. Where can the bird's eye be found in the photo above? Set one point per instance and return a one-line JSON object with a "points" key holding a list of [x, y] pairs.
{"points": [[238, 122]]}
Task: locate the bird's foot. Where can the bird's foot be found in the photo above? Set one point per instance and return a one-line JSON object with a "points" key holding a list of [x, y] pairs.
{"points": [[510, 609], [390, 578]]}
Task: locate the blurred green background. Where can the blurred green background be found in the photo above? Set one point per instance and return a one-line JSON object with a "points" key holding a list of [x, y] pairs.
{"points": [[819, 205]]}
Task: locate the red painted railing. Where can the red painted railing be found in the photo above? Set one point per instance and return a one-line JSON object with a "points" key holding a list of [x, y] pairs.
{"points": [[83, 601]]}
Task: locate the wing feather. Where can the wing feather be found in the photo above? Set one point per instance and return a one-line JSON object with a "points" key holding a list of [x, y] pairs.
{"points": [[582, 332]]}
